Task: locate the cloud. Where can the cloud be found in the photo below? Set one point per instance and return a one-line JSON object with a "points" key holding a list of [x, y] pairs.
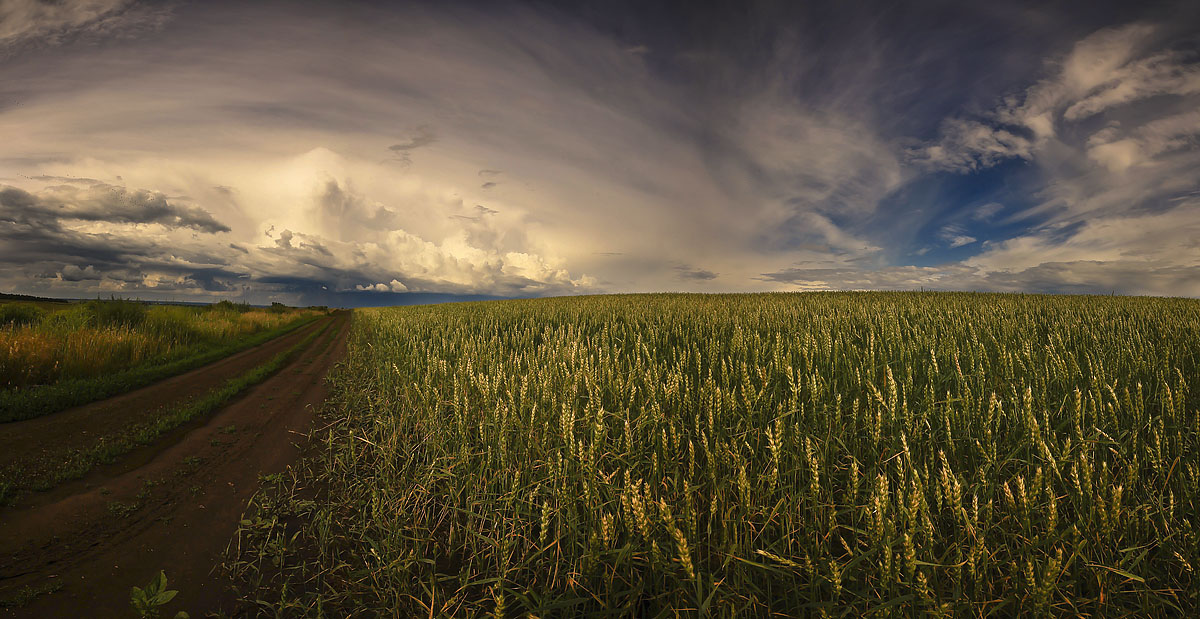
{"points": [[46, 253], [66, 179], [102, 202], [84, 248], [1091, 277], [1113, 79], [967, 145], [1108, 70], [802, 157], [955, 236], [1076, 277], [53, 22], [1111, 133], [361, 251], [819, 162], [1155, 254], [610, 148], [689, 273], [421, 136], [1118, 151], [950, 277], [985, 212], [1166, 237], [480, 212], [394, 286], [72, 273]]}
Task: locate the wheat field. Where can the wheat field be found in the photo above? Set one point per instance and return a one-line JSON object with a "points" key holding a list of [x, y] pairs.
{"points": [[818, 454]]}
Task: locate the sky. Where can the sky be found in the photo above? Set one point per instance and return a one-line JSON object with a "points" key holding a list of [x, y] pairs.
{"points": [[376, 153]]}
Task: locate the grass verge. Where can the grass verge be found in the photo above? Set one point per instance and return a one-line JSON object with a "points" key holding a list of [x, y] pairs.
{"points": [[108, 449], [28, 403]]}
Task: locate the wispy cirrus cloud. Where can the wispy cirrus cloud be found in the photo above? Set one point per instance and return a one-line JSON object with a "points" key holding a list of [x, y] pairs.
{"points": [[1109, 69], [1111, 133], [43, 22], [955, 236]]}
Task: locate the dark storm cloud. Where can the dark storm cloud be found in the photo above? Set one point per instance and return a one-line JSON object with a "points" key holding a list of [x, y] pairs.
{"points": [[66, 179], [686, 272], [402, 151], [75, 257], [106, 203], [422, 136], [50, 236], [1091, 277], [72, 273], [799, 275], [481, 211]]}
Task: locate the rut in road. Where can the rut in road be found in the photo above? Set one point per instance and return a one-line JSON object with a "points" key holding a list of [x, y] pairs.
{"points": [[28, 447], [175, 511]]}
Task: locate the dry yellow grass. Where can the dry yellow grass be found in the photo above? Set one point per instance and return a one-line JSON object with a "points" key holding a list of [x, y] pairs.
{"points": [[76, 342]]}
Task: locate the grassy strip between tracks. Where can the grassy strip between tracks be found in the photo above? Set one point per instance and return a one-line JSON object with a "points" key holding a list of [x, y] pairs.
{"points": [[28, 403], [108, 449]]}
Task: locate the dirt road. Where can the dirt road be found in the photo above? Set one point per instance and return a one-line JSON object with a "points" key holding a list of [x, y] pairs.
{"points": [[172, 506]]}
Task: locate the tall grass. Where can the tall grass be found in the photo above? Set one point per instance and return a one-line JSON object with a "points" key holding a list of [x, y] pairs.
{"points": [[101, 337], [744, 455]]}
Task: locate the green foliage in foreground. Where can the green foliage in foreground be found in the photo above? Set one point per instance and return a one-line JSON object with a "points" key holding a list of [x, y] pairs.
{"points": [[19, 314], [117, 312], [840, 454], [146, 602]]}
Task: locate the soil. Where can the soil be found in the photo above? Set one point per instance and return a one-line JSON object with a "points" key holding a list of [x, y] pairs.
{"points": [[28, 447], [171, 506]]}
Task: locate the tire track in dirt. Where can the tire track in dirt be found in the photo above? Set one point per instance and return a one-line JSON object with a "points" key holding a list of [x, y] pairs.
{"points": [[176, 512], [29, 447]]}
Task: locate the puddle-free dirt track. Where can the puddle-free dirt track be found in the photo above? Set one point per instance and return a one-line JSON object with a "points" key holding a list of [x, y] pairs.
{"points": [[171, 506]]}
